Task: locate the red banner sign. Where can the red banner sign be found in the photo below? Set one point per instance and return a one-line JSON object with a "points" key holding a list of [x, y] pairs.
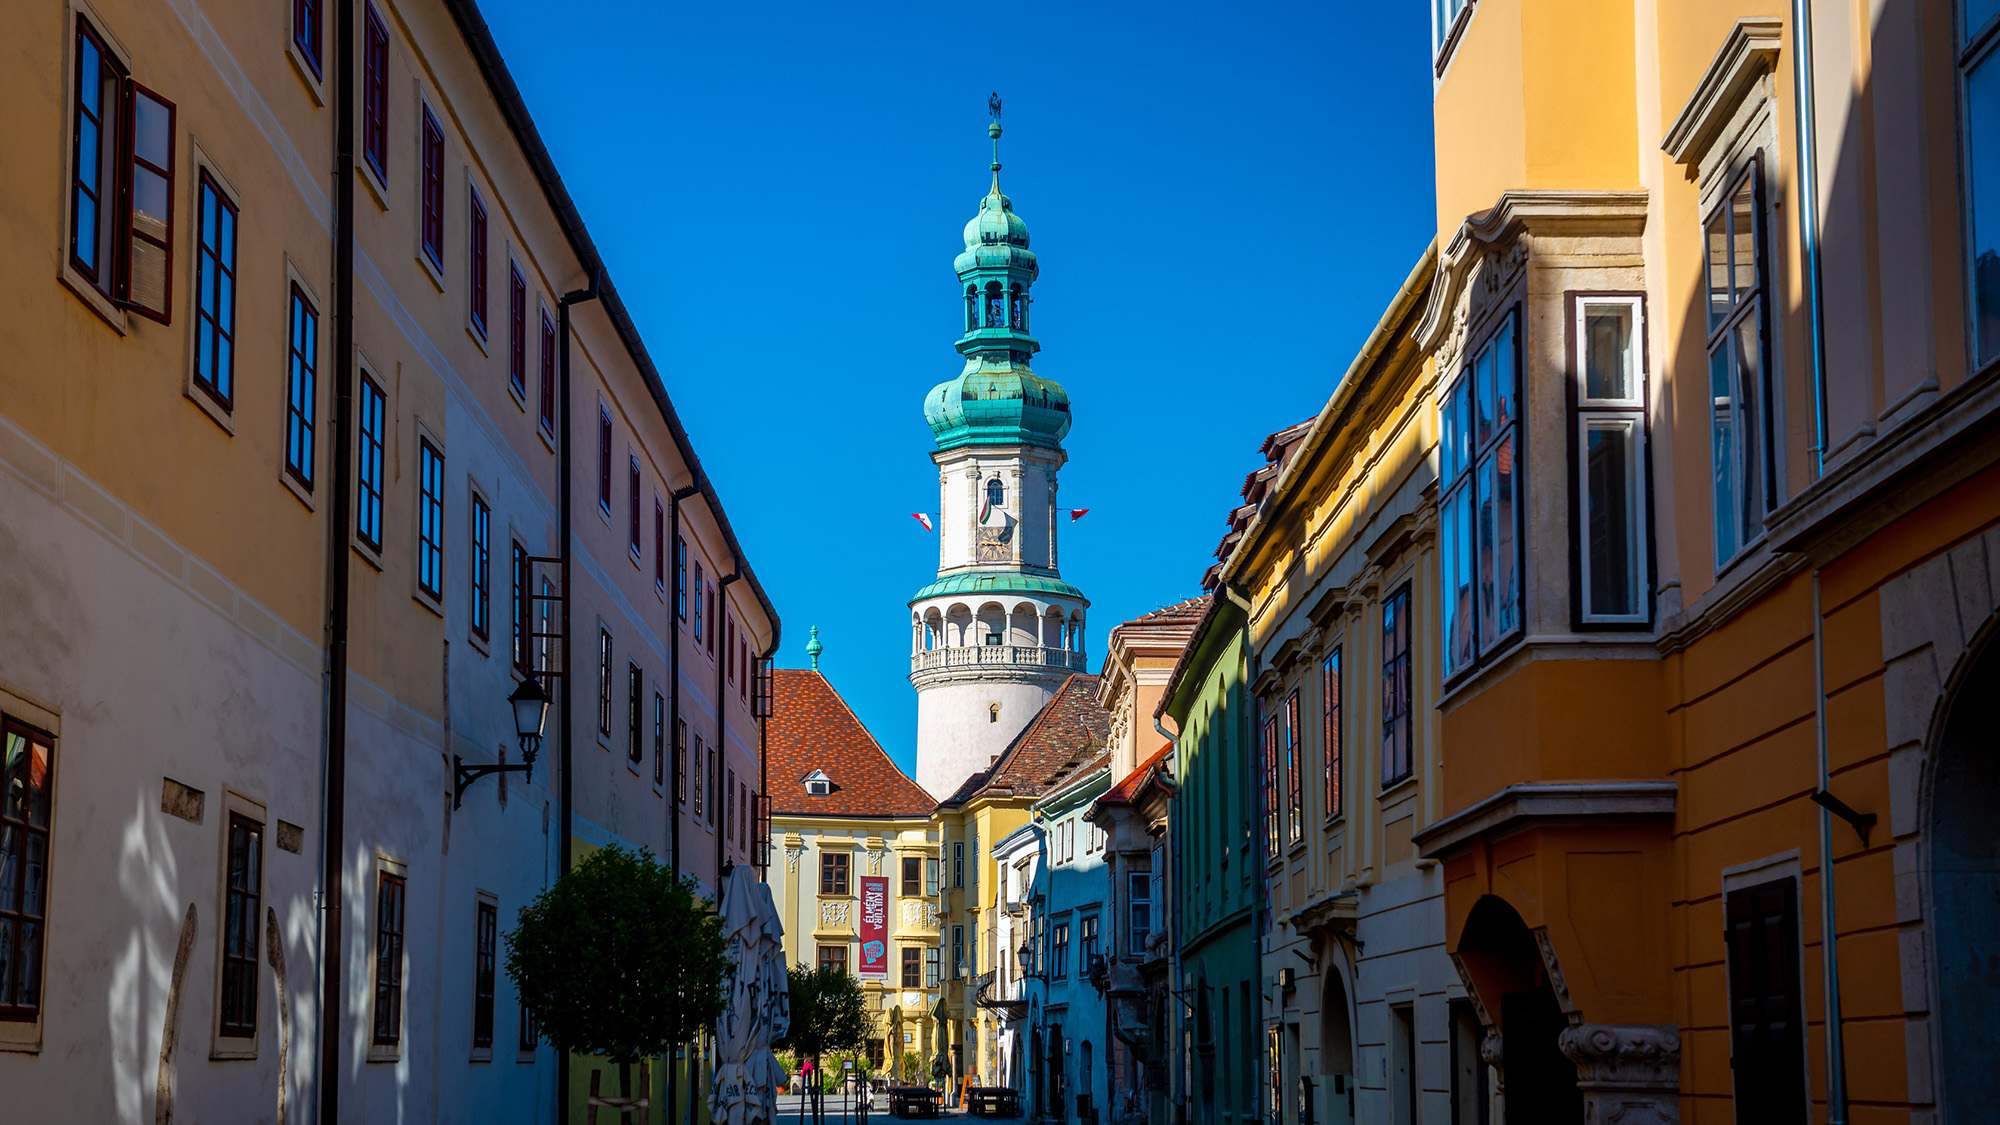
{"points": [[874, 927]]}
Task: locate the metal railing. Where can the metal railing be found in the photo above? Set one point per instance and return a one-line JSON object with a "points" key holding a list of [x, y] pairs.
{"points": [[971, 655]]}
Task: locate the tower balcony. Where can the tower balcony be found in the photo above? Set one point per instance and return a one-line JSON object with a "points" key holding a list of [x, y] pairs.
{"points": [[966, 656]]}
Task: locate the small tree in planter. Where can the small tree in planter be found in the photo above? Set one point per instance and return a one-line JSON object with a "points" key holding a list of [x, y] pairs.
{"points": [[828, 1014], [621, 959]]}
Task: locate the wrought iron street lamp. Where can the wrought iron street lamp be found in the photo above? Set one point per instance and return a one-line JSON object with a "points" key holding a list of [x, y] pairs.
{"points": [[1025, 958], [530, 705]]}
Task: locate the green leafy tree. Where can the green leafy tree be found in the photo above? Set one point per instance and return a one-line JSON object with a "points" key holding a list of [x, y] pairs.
{"points": [[913, 1067], [829, 1015], [619, 958]]}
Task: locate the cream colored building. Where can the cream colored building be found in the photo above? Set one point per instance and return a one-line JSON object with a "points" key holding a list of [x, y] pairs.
{"points": [[209, 476]]}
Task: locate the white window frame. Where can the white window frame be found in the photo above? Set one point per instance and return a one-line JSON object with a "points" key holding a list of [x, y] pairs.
{"points": [[235, 1047], [1589, 413]]}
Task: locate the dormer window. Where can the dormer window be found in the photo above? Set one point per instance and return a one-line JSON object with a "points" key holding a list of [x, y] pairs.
{"points": [[818, 784]]}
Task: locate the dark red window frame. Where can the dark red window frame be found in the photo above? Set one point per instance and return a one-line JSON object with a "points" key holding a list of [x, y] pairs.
{"points": [[635, 708], [604, 460], [517, 330], [1329, 673], [1396, 687], [390, 891], [659, 545], [632, 507], [430, 519], [241, 928], [476, 257], [27, 767], [547, 413], [486, 941], [1271, 787], [433, 189], [216, 229], [482, 568], [375, 91], [368, 475], [522, 628], [306, 32]]}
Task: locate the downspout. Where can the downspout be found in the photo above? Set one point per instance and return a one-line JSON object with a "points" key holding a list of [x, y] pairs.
{"points": [[1802, 70], [333, 828], [1171, 908], [1263, 831], [722, 726], [1836, 1053], [675, 765], [563, 713]]}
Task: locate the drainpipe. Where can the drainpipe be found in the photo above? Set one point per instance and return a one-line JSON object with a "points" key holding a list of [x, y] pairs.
{"points": [[1170, 917], [1836, 1053], [722, 727], [573, 297], [1802, 70], [1263, 832], [333, 827], [674, 748]]}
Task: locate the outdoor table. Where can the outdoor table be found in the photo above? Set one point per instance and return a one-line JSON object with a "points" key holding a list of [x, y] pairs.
{"points": [[914, 1101], [998, 1101]]}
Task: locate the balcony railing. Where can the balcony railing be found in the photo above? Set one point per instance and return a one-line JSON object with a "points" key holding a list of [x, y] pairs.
{"points": [[970, 655]]}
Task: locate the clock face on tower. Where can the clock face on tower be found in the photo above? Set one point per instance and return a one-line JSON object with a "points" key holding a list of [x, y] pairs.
{"points": [[994, 544]]}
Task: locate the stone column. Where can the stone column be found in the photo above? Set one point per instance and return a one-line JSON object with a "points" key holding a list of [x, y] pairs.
{"points": [[1628, 1073]]}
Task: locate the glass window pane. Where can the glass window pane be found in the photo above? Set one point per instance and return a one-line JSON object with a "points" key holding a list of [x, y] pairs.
{"points": [[1723, 453], [1458, 621], [1982, 132], [1483, 522], [1751, 392], [1978, 14], [1743, 236], [1506, 544], [1505, 387], [1610, 462], [1608, 370], [1718, 268], [152, 132], [1483, 388]]}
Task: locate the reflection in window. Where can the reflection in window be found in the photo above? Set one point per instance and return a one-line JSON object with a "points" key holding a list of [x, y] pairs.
{"points": [[1610, 475], [1480, 519], [1980, 72], [1738, 386]]}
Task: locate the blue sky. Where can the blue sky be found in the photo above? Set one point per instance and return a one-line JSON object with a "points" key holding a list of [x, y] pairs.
{"points": [[1223, 197]]}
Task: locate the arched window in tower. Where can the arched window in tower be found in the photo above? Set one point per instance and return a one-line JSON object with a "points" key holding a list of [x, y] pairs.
{"points": [[992, 712], [971, 307], [1017, 309], [996, 496], [996, 305]]}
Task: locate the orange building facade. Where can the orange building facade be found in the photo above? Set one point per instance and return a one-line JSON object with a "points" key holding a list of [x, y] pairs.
{"points": [[1718, 390]]}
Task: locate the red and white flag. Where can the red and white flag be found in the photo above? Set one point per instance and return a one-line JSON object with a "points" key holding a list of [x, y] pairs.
{"points": [[923, 519], [1076, 514]]}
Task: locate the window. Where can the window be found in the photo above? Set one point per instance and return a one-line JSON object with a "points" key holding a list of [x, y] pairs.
{"points": [[697, 602], [635, 706], [1329, 687], [1480, 520], [1139, 904], [715, 783], [933, 970], [1396, 687], [241, 929], [729, 647], [517, 330], [958, 864], [1610, 396], [698, 775], [1086, 943], [1980, 74], [833, 873], [712, 609], [1059, 951], [729, 807], [1766, 1024], [546, 412], [430, 520], [604, 460], [957, 951], [121, 183], [833, 957], [996, 496], [930, 878], [913, 876], [1295, 815], [681, 579], [27, 780], [388, 960], [659, 739], [375, 91], [432, 228], [913, 966], [603, 681], [486, 935], [305, 32], [996, 306], [482, 568], [301, 387], [1445, 16], [659, 546], [531, 1036], [1271, 788], [368, 506], [680, 762], [520, 607], [475, 265], [1738, 386], [215, 295], [632, 506]]}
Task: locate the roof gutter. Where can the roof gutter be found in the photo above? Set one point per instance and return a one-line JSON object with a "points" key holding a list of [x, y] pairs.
{"points": [[479, 39]]}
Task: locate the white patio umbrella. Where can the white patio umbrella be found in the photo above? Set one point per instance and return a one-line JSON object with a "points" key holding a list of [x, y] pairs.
{"points": [[747, 1075]]}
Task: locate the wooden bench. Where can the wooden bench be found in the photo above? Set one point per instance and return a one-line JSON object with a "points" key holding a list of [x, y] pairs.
{"points": [[993, 1101], [914, 1101]]}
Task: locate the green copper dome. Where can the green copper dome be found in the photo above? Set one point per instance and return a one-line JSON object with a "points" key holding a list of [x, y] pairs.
{"points": [[997, 399]]}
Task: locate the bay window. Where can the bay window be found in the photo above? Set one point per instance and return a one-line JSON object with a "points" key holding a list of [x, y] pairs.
{"points": [[1610, 447], [1739, 386], [1480, 516]]}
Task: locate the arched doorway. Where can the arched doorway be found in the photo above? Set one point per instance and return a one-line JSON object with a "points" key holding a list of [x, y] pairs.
{"points": [[1336, 1047], [1538, 1082], [1965, 889]]}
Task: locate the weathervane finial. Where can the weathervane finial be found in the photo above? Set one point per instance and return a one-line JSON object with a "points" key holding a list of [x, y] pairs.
{"points": [[993, 105], [993, 130]]}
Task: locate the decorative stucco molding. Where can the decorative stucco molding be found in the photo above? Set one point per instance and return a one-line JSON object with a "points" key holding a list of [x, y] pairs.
{"points": [[1530, 803], [1558, 982], [1629, 1073], [1746, 55], [832, 914]]}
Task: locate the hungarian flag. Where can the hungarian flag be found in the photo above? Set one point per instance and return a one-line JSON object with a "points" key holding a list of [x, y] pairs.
{"points": [[923, 519], [1076, 514]]}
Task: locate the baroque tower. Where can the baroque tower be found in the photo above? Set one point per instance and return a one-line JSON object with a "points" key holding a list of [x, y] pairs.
{"points": [[999, 630]]}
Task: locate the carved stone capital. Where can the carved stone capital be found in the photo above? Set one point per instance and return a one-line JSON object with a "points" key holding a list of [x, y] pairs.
{"points": [[1628, 1073]]}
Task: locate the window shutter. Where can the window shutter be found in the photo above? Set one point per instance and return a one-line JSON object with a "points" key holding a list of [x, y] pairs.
{"points": [[149, 186]]}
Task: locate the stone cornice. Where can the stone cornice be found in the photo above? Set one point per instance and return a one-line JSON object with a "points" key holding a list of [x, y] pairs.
{"points": [[1751, 50], [1548, 802]]}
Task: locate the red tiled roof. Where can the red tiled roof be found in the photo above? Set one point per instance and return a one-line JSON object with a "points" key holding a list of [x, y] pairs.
{"points": [[812, 728], [1066, 736], [1123, 792], [1188, 611]]}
